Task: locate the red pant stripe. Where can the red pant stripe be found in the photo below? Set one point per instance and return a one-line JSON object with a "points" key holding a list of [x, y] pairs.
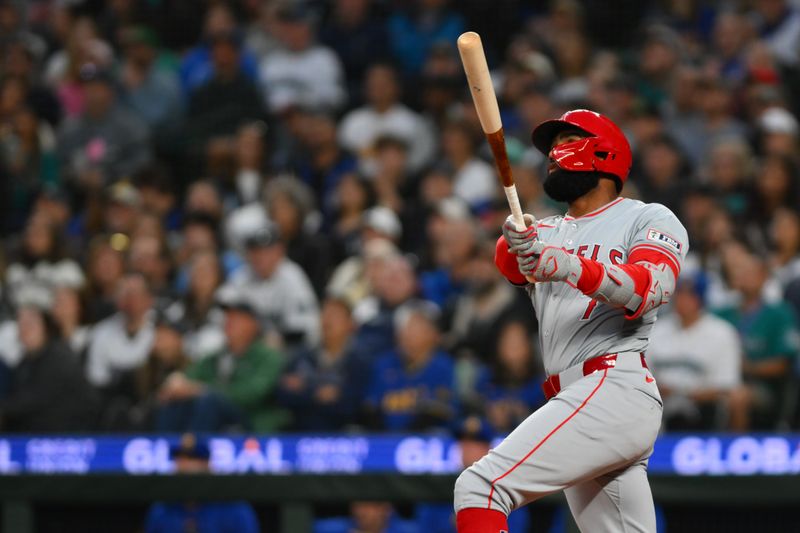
{"points": [[575, 412]]}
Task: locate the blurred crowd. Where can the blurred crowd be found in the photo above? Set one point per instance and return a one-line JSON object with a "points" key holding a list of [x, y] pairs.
{"points": [[280, 215]]}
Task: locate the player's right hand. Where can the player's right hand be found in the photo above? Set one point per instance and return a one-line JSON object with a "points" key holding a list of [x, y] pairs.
{"points": [[520, 243]]}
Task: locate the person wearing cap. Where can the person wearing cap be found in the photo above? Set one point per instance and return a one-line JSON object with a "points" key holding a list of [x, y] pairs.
{"points": [[697, 358], [278, 289], [192, 456], [234, 387], [106, 142], [48, 392], [413, 385], [779, 132]]}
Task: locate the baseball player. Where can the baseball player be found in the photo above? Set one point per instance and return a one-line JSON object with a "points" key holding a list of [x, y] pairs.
{"points": [[600, 271]]}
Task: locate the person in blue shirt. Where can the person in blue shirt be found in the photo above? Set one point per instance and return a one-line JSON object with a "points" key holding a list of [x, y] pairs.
{"points": [[412, 386], [197, 67], [367, 517], [414, 32], [325, 386], [191, 456], [509, 390]]}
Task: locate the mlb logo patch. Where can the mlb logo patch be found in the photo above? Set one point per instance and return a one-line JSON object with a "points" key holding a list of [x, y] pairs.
{"points": [[663, 238]]}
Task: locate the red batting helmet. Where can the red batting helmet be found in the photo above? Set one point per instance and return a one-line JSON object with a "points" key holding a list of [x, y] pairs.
{"points": [[605, 150]]}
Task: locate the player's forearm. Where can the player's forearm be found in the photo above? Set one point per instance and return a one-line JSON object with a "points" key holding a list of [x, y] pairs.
{"points": [[642, 284], [506, 263]]}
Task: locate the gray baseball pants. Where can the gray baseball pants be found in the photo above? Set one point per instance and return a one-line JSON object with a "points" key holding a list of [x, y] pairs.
{"points": [[592, 441]]}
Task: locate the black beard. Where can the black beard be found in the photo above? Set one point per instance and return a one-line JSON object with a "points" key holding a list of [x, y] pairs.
{"points": [[565, 186]]}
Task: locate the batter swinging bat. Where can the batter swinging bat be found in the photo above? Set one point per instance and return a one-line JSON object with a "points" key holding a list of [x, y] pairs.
{"points": [[480, 85]]}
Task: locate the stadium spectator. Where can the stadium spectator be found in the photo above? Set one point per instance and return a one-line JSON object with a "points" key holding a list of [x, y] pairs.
{"points": [[197, 309], [413, 386], [219, 105], [157, 192], [477, 315], [778, 23], [385, 114], [358, 36], [778, 132], [771, 342], [776, 188], [508, 388], [300, 72], [199, 66], [149, 89], [729, 38], [104, 143], [63, 70], [41, 259], [21, 60], [192, 456], [415, 30], [391, 281], [351, 199], [290, 204], [395, 188], [120, 345], [377, 235], [697, 359], [105, 268], [664, 172], [474, 180], [27, 152], [48, 391], [278, 289], [325, 387], [324, 163], [150, 257], [251, 160], [784, 236], [166, 358], [453, 235], [367, 517], [233, 388], [69, 314]]}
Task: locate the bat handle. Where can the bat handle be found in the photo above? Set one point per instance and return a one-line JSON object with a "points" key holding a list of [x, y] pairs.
{"points": [[516, 208]]}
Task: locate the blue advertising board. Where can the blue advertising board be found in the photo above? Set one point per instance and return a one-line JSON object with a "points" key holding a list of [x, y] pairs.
{"points": [[688, 455]]}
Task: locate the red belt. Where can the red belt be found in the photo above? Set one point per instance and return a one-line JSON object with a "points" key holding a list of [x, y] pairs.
{"points": [[552, 385]]}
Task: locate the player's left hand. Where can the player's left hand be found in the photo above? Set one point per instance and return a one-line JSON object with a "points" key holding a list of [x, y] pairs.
{"points": [[520, 242], [548, 263]]}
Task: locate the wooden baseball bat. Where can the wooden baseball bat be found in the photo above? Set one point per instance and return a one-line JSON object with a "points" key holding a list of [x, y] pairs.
{"points": [[480, 85]]}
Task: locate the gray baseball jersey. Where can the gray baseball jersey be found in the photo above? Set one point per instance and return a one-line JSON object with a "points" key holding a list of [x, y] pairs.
{"points": [[592, 440], [572, 326]]}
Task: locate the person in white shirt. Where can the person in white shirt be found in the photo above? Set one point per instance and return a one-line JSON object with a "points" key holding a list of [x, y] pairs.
{"points": [[385, 116], [474, 180], [278, 290], [696, 359], [122, 342], [300, 72]]}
